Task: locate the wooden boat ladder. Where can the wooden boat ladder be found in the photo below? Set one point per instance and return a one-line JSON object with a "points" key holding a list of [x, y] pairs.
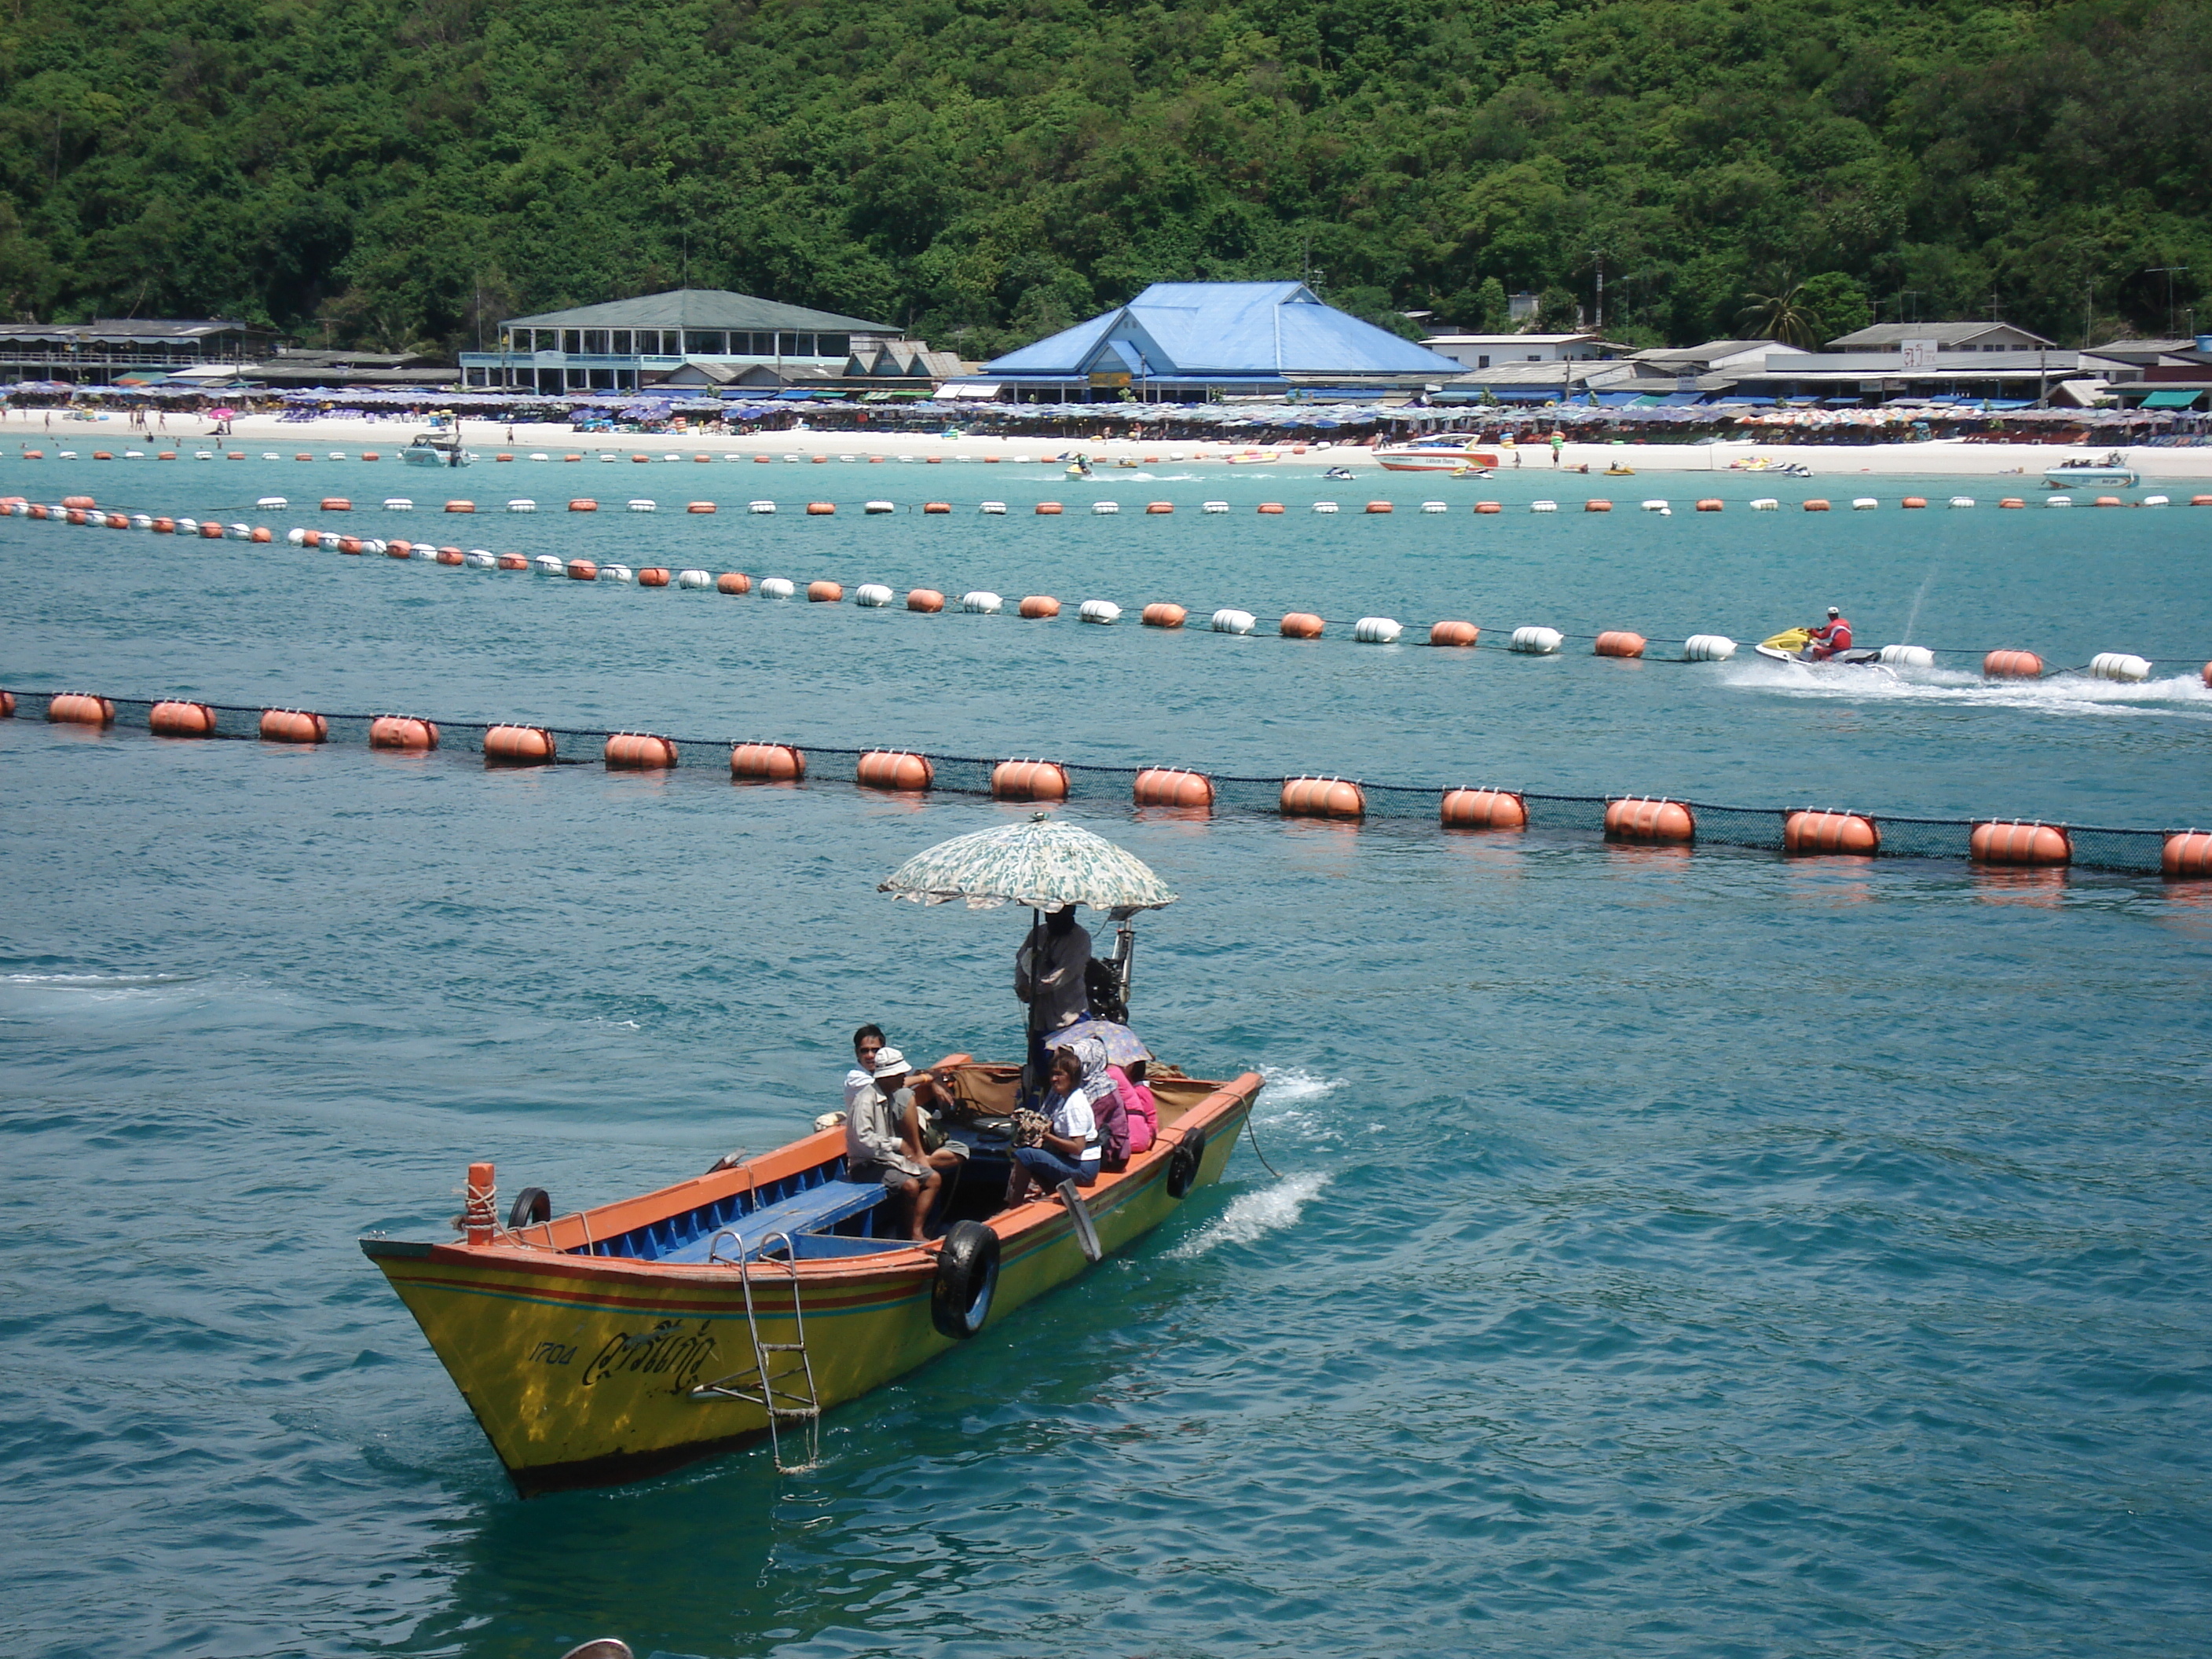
{"points": [[788, 1394]]}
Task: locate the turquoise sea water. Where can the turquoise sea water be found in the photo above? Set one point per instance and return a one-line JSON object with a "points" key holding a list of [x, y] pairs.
{"points": [[1698, 1254]]}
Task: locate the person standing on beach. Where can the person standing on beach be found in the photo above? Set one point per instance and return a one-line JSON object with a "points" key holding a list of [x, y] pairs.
{"points": [[1558, 443]]}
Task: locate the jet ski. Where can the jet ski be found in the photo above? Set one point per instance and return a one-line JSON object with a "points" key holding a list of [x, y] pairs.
{"points": [[1793, 646], [1341, 473], [1079, 467]]}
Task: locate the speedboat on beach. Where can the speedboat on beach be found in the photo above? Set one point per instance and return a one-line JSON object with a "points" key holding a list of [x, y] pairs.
{"points": [[2112, 470], [1434, 455]]}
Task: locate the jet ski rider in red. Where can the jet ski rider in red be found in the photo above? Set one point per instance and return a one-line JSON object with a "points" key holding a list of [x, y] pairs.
{"points": [[1829, 640]]}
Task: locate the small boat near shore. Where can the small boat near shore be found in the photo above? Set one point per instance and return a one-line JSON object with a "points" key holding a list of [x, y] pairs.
{"points": [[437, 449], [2112, 470], [1435, 455]]}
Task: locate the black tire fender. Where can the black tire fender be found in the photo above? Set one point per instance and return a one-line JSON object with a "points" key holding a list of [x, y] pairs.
{"points": [[967, 1278], [1182, 1165], [532, 1206]]}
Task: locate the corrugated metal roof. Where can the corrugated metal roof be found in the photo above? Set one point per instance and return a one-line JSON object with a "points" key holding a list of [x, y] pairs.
{"points": [[713, 309], [1225, 328]]}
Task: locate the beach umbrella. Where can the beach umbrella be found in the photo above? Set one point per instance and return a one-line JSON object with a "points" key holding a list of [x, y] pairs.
{"points": [[1042, 863], [222, 414], [1123, 1047]]}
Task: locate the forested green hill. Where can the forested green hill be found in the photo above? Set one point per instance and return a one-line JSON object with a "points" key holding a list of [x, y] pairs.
{"points": [[393, 172]]}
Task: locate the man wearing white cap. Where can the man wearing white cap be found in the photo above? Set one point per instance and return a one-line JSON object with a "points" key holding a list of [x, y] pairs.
{"points": [[879, 1145]]}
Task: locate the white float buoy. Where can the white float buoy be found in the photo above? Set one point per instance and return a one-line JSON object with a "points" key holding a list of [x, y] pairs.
{"points": [[1655, 506], [478, 558], [1537, 641], [2060, 501], [1213, 506], [1708, 647], [141, 521], [2154, 500], [422, 550], [1324, 506], [641, 505], [296, 538], [1230, 620], [185, 526], [539, 455], [1102, 611], [1105, 507], [398, 504], [982, 603], [1435, 507], [1378, 630], [202, 454], [238, 533], [694, 579], [2119, 665], [338, 455], [1863, 503], [1908, 656], [1962, 500], [272, 504], [871, 596], [1543, 507], [546, 565], [879, 507], [761, 506], [777, 587], [525, 505], [996, 509], [1766, 504]]}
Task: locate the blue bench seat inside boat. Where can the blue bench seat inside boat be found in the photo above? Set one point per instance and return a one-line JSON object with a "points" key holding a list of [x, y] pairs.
{"points": [[808, 1204]]}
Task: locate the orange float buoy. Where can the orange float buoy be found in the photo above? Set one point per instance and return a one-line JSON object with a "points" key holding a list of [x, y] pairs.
{"points": [[1914, 501], [941, 507], [733, 581], [513, 561], [1164, 616], [262, 535], [116, 522], [768, 763], [210, 530], [1379, 507], [583, 504], [402, 731], [821, 509], [653, 576], [461, 507], [2206, 676], [1454, 633], [337, 504], [699, 507], [1640, 819], [518, 745], [2017, 843], [824, 592], [82, 503], [1302, 625], [1047, 509], [1816, 505], [1811, 832], [1596, 505], [102, 455], [1484, 809], [2106, 501], [1270, 507], [75, 516], [1171, 786], [171, 455], [1039, 607], [2200, 500], [2012, 665], [927, 600], [450, 555], [303, 457], [1619, 642], [583, 570], [895, 768], [7, 705], [180, 720], [708, 458], [293, 725], [161, 526], [2187, 855], [1027, 780], [1710, 504], [1322, 798], [392, 549], [1159, 507], [79, 709], [1486, 508], [641, 751], [2012, 500]]}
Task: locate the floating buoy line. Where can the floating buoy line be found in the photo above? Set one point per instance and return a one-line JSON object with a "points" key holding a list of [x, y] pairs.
{"points": [[1470, 807], [2004, 663]]}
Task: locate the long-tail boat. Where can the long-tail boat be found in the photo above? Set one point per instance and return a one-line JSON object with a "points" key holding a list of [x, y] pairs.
{"points": [[618, 1342]]}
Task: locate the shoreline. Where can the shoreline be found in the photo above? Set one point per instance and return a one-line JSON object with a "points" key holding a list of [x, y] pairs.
{"points": [[1936, 457]]}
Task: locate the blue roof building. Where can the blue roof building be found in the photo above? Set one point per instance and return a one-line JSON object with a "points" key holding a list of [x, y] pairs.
{"points": [[1187, 342]]}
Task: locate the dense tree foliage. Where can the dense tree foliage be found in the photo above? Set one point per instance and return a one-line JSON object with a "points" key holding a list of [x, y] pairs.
{"points": [[391, 171]]}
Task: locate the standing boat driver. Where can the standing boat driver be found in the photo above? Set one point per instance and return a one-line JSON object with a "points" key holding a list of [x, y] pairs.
{"points": [[1829, 640], [1049, 975], [881, 1144]]}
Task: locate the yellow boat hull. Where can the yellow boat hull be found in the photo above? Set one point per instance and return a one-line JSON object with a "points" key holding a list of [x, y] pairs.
{"points": [[587, 1369]]}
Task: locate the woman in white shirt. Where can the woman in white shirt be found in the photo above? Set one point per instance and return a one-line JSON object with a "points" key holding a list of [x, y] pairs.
{"points": [[1070, 1150]]}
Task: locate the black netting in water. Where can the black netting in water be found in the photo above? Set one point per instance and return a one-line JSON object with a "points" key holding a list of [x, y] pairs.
{"points": [[2137, 851]]}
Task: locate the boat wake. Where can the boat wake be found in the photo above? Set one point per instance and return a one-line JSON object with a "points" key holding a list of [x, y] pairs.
{"points": [[1252, 1216], [1287, 1085], [2182, 694]]}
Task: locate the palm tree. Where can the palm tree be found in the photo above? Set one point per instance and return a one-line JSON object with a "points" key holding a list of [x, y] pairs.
{"points": [[1783, 316]]}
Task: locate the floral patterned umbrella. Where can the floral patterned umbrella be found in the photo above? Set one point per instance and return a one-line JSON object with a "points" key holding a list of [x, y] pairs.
{"points": [[1043, 863]]}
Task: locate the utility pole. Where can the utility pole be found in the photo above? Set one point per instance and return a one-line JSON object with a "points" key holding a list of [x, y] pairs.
{"points": [[1598, 254], [2169, 272]]}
